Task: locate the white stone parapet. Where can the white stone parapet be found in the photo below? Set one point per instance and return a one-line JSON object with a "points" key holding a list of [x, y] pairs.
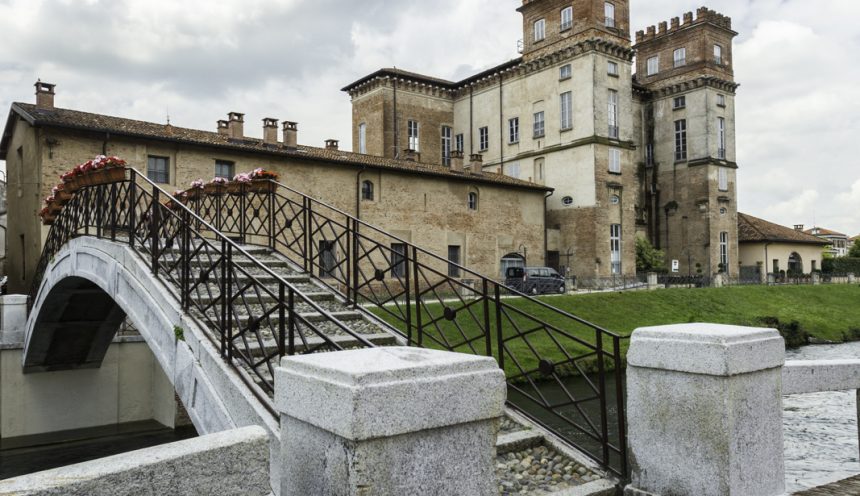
{"points": [[816, 376], [704, 411], [389, 421], [13, 319], [234, 462]]}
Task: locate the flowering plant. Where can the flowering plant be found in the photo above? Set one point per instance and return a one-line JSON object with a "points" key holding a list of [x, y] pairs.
{"points": [[68, 176], [57, 189], [104, 162], [197, 184], [179, 194], [263, 174], [44, 212], [50, 199], [219, 180], [242, 178]]}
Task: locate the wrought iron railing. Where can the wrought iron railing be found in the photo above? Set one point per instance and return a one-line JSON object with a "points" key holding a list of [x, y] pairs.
{"points": [[559, 367], [263, 316]]}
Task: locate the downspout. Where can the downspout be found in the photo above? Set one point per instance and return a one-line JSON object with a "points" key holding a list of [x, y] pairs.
{"points": [[471, 120], [105, 143], [502, 127], [545, 236], [396, 123]]}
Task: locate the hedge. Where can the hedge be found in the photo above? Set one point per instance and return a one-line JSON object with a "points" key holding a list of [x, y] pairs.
{"points": [[841, 265]]}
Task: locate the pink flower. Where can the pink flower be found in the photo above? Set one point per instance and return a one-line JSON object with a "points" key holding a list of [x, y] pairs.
{"points": [[242, 178], [219, 180], [197, 184]]}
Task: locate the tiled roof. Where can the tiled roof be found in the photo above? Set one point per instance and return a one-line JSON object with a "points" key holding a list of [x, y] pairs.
{"points": [[73, 119], [754, 230], [421, 78], [820, 231]]}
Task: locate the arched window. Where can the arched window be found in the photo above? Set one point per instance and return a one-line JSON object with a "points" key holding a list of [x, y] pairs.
{"points": [[472, 201], [795, 263], [367, 190], [509, 261]]}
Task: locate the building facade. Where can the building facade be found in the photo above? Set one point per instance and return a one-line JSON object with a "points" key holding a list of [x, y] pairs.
{"points": [[629, 151], [449, 211], [839, 243], [768, 248]]}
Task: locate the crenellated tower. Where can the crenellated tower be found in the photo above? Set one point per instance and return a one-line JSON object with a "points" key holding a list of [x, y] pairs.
{"points": [[685, 85]]}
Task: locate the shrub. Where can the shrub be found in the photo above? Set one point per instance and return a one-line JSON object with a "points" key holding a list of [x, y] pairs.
{"points": [[841, 265], [793, 334], [648, 258]]}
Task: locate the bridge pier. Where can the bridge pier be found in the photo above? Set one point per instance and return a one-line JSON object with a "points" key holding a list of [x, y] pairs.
{"points": [[389, 421], [705, 411]]}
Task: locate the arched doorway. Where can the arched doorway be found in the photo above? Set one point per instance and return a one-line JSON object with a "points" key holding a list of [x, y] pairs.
{"points": [[511, 260], [795, 264]]}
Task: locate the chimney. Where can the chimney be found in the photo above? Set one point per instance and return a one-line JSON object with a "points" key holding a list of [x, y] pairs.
{"points": [[676, 23], [332, 144], [291, 134], [662, 27], [411, 155], [224, 128], [236, 125], [457, 161], [798, 227], [270, 131], [44, 95], [688, 18], [476, 164]]}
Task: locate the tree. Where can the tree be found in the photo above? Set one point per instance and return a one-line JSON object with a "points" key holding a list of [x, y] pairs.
{"points": [[854, 252], [648, 258]]}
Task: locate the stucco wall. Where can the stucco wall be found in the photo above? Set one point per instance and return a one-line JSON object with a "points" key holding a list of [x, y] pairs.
{"points": [[128, 387], [753, 253]]}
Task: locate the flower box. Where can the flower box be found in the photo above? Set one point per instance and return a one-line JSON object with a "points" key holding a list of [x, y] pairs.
{"points": [[107, 175], [194, 193], [261, 186], [214, 189], [62, 197], [234, 188]]}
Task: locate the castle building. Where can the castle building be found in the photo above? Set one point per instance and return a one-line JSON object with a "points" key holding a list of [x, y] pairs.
{"points": [[629, 151]]}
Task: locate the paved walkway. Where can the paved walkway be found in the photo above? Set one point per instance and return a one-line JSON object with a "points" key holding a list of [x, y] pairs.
{"points": [[841, 488]]}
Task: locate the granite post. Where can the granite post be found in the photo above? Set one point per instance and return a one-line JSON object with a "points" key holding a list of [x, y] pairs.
{"points": [[704, 410], [389, 421], [13, 318], [653, 281]]}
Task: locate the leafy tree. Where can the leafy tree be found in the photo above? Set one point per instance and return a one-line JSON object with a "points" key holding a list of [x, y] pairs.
{"points": [[648, 258], [854, 252]]}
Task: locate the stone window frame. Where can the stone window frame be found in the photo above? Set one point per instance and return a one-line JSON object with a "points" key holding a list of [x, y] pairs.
{"points": [[614, 160], [615, 248], [231, 165], [484, 138], [565, 72], [454, 265], [724, 250], [362, 138], [539, 127], [459, 142], [567, 201], [655, 69], [612, 113], [721, 100], [367, 190], [679, 102], [539, 30], [473, 201], [722, 179], [718, 54], [609, 15], [566, 109], [413, 140], [612, 69], [721, 138], [679, 61], [680, 140], [155, 175], [540, 169], [568, 24], [447, 144], [513, 130]]}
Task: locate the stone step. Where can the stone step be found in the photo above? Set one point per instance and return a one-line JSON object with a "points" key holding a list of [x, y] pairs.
{"points": [[517, 441], [270, 345], [312, 292]]}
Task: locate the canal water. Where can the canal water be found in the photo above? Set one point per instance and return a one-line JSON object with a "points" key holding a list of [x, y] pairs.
{"points": [[821, 444]]}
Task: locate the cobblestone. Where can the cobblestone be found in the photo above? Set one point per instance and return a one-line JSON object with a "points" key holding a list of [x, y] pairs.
{"points": [[540, 470]]}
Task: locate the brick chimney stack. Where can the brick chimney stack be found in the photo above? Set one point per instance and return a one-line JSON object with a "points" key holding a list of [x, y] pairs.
{"points": [[332, 144], [457, 161], [236, 125], [411, 155], [224, 128], [291, 134], [44, 95], [270, 131], [798, 227]]}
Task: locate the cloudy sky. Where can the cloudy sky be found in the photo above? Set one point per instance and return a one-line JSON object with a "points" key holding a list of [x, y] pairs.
{"points": [[798, 107]]}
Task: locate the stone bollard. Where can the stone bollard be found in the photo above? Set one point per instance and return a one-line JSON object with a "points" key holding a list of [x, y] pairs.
{"points": [[762, 274], [719, 280], [389, 421], [652, 281], [704, 411], [816, 279], [771, 279], [851, 279], [13, 318]]}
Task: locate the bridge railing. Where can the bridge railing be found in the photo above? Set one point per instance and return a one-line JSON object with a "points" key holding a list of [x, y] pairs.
{"points": [[258, 316], [559, 367]]}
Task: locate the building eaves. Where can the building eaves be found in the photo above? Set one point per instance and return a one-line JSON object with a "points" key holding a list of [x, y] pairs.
{"points": [[754, 230]]}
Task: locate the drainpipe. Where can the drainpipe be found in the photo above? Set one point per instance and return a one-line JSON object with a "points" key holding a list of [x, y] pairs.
{"points": [[545, 237], [501, 126], [396, 123], [471, 120], [105, 143]]}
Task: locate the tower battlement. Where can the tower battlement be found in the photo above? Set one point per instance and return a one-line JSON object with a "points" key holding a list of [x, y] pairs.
{"points": [[704, 15]]}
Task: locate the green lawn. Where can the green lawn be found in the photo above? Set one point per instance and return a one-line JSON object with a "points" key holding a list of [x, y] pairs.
{"points": [[830, 312]]}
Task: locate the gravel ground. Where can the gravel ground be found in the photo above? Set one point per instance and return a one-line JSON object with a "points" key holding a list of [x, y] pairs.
{"points": [[539, 470]]}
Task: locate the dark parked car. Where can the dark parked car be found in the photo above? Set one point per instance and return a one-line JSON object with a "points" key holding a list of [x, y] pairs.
{"points": [[535, 280]]}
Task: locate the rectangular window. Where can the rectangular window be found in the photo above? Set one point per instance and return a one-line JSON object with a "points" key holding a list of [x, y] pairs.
{"points": [[566, 110], [613, 114], [721, 100], [446, 146], [566, 18], [362, 138], [724, 251], [539, 172], [565, 72], [612, 68], [680, 57], [512, 169], [454, 258], [158, 169], [776, 266], [723, 179], [609, 13], [412, 127], [615, 160], [718, 54], [539, 126], [225, 169], [680, 140], [398, 260], [615, 247], [458, 143], [540, 29], [514, 130], [653, 65], [721, 138], [679, 102], [484, 136]]}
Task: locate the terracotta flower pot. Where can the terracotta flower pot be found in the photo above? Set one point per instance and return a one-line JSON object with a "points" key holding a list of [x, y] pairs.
{"points": [[214, 189], [234, 188], [107, 175], [261, 186]]}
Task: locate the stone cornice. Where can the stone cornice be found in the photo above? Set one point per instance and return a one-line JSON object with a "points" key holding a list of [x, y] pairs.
{"points": [[645, 93], [590, 140]]}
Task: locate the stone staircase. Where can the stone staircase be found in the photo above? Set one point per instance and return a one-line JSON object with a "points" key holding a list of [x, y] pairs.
{"points": [[528, 462]]}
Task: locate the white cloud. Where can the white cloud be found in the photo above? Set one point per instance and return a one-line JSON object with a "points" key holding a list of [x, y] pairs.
{"points": [[798, 107]]}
